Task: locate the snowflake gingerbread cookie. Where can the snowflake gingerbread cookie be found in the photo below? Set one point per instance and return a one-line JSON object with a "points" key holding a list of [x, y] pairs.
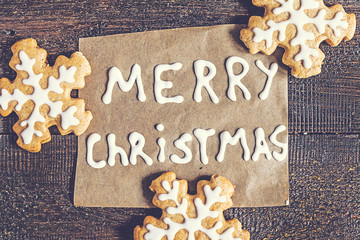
{"points": [[40, 94], [191, 217], [298, 26]]}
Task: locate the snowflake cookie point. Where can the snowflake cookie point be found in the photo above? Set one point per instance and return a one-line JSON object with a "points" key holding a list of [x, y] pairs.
{"points": [[191, 217], [298, 26], [40, 94]]}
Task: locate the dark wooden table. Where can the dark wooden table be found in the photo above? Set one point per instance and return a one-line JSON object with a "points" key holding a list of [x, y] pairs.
{"points": [[324, 123]]}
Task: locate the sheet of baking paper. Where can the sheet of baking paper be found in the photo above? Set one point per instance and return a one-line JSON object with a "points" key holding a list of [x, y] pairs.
{"points": [[258, 183]]}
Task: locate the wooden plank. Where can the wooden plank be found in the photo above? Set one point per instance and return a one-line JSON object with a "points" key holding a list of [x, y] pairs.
{"points": [[53, 166], [36, 192], [60, 23]]}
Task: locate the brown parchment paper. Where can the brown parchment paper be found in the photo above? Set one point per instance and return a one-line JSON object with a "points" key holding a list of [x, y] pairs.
{"points": [[260, 183]]}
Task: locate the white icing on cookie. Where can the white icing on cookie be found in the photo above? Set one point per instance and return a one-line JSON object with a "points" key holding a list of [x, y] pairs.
{"points": [[191, 225], [114, 150], [261, 146], [115, 76], [180, 144], [159, 84], [270, 73], [299, 18], [17, 95], [226, 138], [202, 136], [40, 97], [137, 143], [235, 80], [90, 142], [284, 146], [172, 193], [204, 81], [68, 119]]}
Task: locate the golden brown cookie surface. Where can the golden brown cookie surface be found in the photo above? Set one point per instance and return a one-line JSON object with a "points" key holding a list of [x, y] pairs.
{"points": [[298, 26], [40, 94], [187, 216]]}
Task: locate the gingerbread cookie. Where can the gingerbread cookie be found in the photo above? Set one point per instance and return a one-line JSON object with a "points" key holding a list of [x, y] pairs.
{"points": [[191, 217], [40, 94], [298, 26]]}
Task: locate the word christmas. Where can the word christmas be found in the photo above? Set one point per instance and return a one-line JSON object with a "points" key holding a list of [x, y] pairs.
{"points": [[137, 143]]}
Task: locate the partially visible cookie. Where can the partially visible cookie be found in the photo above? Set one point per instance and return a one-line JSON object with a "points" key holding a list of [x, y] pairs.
{"points": [[40, 94], [298, 26], [191, 217]]}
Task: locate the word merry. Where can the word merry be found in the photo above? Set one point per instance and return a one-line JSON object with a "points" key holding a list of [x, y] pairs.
{"points": [[202, 81], [137, 143]]}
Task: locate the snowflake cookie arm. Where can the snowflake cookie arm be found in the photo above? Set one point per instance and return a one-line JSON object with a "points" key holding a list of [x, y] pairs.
{"points": [[298, 26], [83, 69], [40, 94], [191, 216], [231, 229]]}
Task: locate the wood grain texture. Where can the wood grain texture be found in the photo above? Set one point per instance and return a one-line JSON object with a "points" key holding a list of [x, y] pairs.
{"points": [[36, 189]]}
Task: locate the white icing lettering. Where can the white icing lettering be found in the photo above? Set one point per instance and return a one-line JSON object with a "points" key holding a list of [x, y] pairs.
{"points": [[137, 143], [284, 146], [160, 127], [225, 138], [91, 140], [261, 146], [235, 80], [115, 76], [159, 84], [204, 81], [180, 144], [202, 136], [113, 150], [161, 143], [270, 73]]}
